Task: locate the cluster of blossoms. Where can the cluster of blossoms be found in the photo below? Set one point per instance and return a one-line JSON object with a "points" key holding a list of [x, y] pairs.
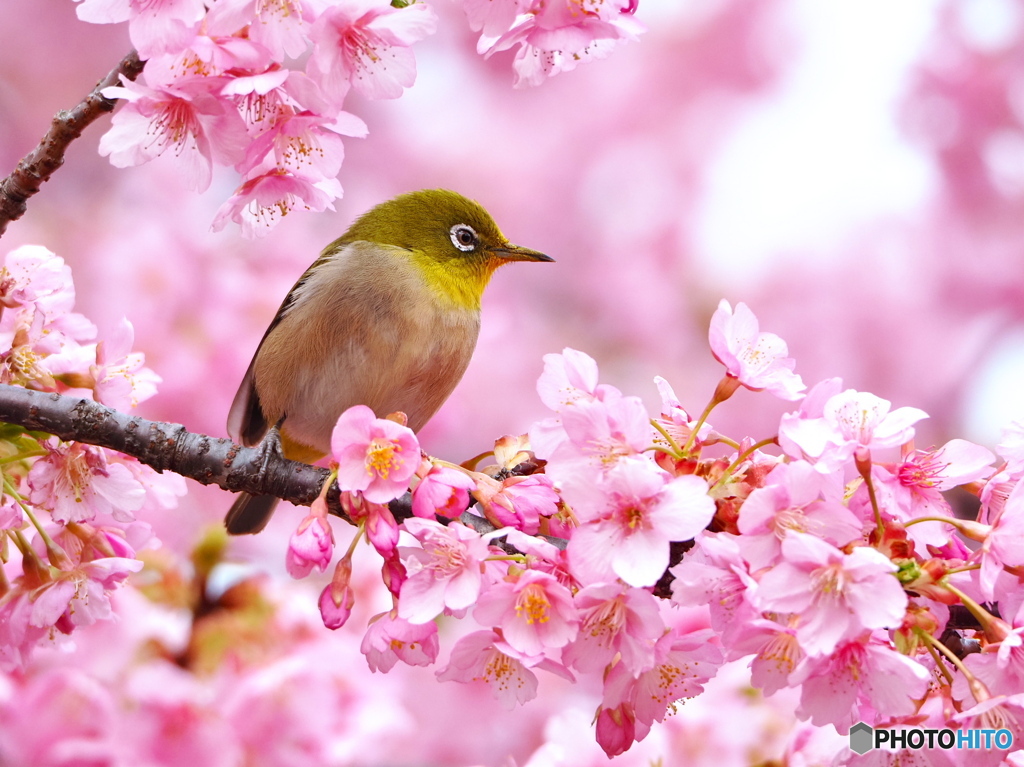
{"points": [[260, 85], [631, 554], [68, 527]]}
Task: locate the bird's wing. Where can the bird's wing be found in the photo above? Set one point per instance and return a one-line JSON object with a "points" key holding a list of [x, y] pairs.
{"points": [[247, 424]]}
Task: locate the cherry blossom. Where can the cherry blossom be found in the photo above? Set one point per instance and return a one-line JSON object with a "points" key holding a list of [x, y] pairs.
{"points": [[311, 544], [121, 379], [628, 524], [376, 457], [534, 612], [445, 572], [1003, 545], [849, 421], [556, 36], [390, 639], [615, 620], [188, 117], [484, 657], [260, 202], [757, 360], [442, 491], [364, 44], [837, 596], [77, 482], [863, 671]]}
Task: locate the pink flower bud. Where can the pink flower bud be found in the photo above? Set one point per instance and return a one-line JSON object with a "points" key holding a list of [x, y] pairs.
{"points": [[442, 491], [337, 598], [311, 545]]}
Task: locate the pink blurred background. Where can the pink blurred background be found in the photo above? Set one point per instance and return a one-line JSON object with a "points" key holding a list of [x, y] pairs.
{"points": [[853, 172]]}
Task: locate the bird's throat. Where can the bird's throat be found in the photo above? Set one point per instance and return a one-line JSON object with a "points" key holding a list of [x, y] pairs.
{"points": [[459, 282]]}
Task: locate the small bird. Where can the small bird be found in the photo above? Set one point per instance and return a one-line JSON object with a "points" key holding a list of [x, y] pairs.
{"points": [[387, 317]]}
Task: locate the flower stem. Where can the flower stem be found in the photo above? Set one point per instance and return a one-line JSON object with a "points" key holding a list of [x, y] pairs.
{"points": [[742, 457], [57, 556]]}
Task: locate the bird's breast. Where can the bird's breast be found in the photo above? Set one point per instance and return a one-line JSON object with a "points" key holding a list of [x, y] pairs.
{"points": [[364, 328]]}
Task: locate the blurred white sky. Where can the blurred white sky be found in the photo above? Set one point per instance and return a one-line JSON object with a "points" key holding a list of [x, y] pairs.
{"points": [[822, 156]]}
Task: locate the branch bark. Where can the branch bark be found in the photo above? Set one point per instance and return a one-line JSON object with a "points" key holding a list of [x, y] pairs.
{"points": [[39, 164], [163, 446]]}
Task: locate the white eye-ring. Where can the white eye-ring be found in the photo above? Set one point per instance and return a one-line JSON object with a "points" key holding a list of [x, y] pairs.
{"points": [[464, 237]]}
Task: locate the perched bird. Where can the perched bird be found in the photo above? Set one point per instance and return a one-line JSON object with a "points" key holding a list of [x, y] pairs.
{"points": [[387, 317]]}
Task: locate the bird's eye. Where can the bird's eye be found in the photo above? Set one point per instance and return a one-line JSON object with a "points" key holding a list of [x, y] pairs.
{"points": [[464, 237]]}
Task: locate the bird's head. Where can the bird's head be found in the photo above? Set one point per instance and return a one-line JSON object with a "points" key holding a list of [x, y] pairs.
{"points": [[452, 239]]}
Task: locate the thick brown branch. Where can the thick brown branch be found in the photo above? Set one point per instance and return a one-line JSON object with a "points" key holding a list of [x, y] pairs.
{"points": [[164, 446], [39, 164]]}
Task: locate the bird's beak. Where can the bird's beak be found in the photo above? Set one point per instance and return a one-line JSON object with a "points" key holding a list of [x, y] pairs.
{"points": [[515, 253]]}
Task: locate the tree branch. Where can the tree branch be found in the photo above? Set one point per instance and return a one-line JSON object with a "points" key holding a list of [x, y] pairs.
{"points": [[39, 164], [164, 446]]}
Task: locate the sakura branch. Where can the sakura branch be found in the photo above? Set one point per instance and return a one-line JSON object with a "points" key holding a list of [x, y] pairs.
{"points": [[165, 447], [41, 163]]}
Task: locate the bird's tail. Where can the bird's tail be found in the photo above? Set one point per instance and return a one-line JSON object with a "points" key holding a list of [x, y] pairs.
{"points": [[249, 513]]}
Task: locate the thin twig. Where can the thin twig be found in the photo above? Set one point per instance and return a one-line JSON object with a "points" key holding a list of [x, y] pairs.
{"points": [[39, 164]]}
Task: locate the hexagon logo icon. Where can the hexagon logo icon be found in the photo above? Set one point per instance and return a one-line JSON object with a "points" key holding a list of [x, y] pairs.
{"points": [[862, 738]]}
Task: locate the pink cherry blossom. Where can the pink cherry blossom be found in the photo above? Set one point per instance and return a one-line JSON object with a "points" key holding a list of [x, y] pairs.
{"points": [[556, 36], [629, 522], [614, 620], [32, 274], [444, 573], [390, 639], [567, 378], [1004, 544], [1000, 712], [156, 26], [259, 203], [849, 421], [519, 502], [683, 663], [442, 491], [534, 612], [337, 598], [596, 435], [715, 574], [76, 482], [865, 671], [280, 25], [615, 729], [311, 545], [758, 360], [484, 657], [30, 352], [674, 418], [303, 144], [914, 487], [376, 457], [795, 497], [837, 596], [80, 597], [365, 44], [121, 379], [776, 649], [188, 117]]}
